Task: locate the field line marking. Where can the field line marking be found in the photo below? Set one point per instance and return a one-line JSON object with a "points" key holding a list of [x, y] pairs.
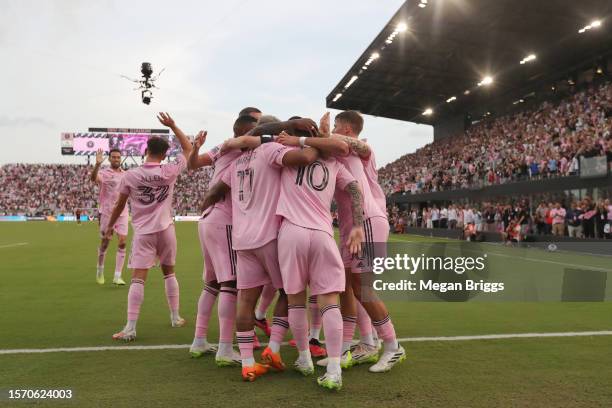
{"points": [[14, 245], [401, 340]]}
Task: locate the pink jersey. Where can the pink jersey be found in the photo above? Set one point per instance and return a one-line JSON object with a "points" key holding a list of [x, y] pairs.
{"points": [[108, 182], [254, 178], [307, 193], [369, 167], [150, 188], [353, 164], [221, 212]]}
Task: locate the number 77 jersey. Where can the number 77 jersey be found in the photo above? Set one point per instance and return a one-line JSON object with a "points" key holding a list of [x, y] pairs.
{"points": [[150, 189]]}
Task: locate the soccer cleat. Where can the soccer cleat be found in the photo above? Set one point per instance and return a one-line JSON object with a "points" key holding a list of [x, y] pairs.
{"points": [[264, 326], [305, 368], [118, 282], [251, 373], [346, 361], [228, 361], [198, 351], [364, 353], [293, 343], [388, 360], [256, 343], [316, 348], [330, 381], [272, 359], [125, 335], [100, 275], [180, 322]]}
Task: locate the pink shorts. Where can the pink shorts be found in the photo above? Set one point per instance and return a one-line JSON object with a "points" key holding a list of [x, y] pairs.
{"points": [[310, 258], [258, 267], [376, 231], [219, 257], [120, 227], [146, 247]]}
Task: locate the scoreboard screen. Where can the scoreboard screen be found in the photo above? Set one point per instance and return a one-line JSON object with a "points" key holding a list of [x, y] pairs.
{"points": [[130, 143]]}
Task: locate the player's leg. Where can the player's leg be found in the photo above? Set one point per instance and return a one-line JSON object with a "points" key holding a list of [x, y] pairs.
{"points": [[377, 232], [366, 351], [332, 327], [316, 347], [120, 260], [298, 322], [134, 301], [166, 250], [226, 356], [348, 309], [102, 251], [267, 296], [206, 302]]}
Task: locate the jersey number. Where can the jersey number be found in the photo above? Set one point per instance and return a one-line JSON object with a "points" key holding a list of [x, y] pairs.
{"points": [[309, 173], [242, 174], [150, 194]]}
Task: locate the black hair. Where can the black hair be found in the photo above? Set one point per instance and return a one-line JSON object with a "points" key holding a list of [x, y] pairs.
{"points": [[157, 146], [243, 124], [248, 110], [295, 117], [114, 149]]}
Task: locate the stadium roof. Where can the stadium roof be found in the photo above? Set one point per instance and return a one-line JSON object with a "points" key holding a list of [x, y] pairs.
{"points": [[433, 54]]}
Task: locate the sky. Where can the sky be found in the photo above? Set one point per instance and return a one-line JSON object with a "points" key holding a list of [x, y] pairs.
{"points": [[61, 62]]}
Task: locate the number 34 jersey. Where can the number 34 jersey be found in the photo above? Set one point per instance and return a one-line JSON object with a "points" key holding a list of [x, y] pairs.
{"points": [[307, 193], [150, 189]]}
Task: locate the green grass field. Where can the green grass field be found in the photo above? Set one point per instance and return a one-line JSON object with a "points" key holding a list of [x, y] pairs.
{"points": [[49, 299]]}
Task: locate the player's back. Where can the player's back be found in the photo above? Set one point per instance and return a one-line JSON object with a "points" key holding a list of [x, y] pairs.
{"points": [[307, 193], [254, 178], [151, 188], [221, 212]]}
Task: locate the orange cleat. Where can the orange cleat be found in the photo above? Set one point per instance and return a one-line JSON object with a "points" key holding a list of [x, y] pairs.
{"points": [[264, 326], [251, 373], [317, 349], [272, 359]]}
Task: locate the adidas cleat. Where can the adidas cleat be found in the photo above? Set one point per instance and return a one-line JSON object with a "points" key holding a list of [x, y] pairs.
{"points": [[316, 348], [330, 381], [305, 368], [118, 282], [272, 359], [388, 360], [125, 335], [198, 351], [251, 373], [364, 353], [346, 361], [232, 360], [180, 322]]}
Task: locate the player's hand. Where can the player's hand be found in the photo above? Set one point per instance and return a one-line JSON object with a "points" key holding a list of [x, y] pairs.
{"points": [[286, 139], [307, 125], [324, 127], [199, 140], [355, 238], [99, 157], [166, 120]]}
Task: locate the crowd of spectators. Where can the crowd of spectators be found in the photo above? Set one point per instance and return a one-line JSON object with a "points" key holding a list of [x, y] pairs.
{"points": [[36, 189], [584, 218], [543, 142]]}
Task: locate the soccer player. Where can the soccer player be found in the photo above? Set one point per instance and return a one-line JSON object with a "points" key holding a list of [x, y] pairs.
{"points": [[254, 180], [150, 189], [108, 181], [347, 127], [308, 254], [215, 232]]}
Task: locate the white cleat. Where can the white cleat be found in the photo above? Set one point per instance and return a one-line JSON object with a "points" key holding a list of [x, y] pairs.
{"points": [[364, 353], [180, 322], [198, 350], [125, 335], [388, 360], [330, 381], [233, 360], [100, 275], [346, 360], [305, 368]]}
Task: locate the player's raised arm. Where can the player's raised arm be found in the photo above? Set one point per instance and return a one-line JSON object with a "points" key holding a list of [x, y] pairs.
{"points": [[328, 146], [195, 160], [356, 235], [214, 195], [96, 169], [117, 210], [166, 120], [241, 142], [275, 128], [356, 145]]}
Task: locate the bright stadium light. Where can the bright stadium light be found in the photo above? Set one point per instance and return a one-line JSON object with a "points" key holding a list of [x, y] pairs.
{"points": [[528, 58], [486, 81], [350, 82], [427, 112], [375, 55], [466, 92], [401, 27], [452, 98], [596, 23], [338, 96], [422, 5]]}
